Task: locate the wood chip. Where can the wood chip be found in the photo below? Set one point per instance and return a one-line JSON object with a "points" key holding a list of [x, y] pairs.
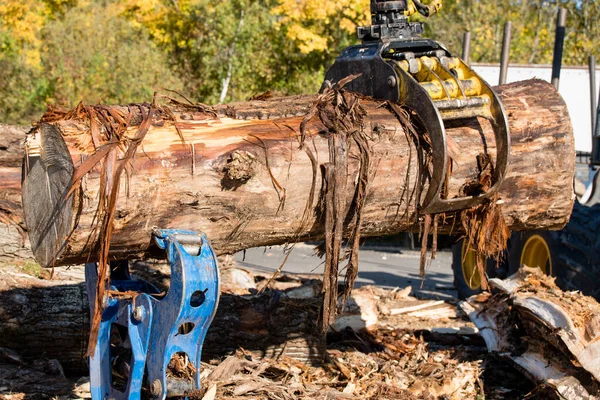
{"points": [[415, 307]]}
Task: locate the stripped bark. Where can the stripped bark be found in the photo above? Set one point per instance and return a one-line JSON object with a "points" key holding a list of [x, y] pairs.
{"points": [[551, 335]]}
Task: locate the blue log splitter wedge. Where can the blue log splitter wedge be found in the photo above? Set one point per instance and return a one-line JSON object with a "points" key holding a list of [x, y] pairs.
{"points": [[154, 327]]}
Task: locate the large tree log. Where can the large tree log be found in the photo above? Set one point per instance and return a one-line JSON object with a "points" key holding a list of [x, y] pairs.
{"points": [[243, 179]]}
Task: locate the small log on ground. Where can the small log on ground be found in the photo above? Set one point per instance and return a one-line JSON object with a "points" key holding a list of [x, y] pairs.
{"points": [[242, 178], [269, 325], [44, 317]]}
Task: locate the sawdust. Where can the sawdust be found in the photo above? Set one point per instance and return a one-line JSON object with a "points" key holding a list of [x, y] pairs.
{"points": [[384, 364]]}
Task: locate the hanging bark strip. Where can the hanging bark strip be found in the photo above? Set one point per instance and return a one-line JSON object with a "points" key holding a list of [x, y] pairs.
{"points": [[422, 144], [107, 225], [485, 230], [342, 114], [354, 217]]}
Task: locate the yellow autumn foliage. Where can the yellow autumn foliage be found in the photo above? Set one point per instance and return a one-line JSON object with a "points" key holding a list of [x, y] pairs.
{"points": [[60, 51], [309, 23], [21, 20]]}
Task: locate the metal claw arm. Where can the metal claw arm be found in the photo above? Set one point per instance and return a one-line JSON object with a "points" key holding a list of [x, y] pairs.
{"points": [[142, 330]]}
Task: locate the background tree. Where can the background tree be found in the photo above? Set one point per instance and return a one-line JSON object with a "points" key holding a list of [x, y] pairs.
{"points": [[120, 51]]}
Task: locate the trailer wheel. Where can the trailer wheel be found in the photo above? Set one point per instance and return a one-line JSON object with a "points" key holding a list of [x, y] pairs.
{"points": [[574, 252], [467, 280], [532, 249]]}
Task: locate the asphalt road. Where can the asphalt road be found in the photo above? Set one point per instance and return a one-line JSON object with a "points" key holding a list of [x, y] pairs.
{"points": [[393, 267]]}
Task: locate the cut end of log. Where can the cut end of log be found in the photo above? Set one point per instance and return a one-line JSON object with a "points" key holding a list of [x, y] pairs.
{"points": [[48, 213]]}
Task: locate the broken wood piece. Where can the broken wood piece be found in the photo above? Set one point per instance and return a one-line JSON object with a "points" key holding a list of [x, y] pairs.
{"points": [[236, 281], [486, 322], [360, 311], [567, 317], [553, 374], [402, 293], [435, 312], [308, 290], [556, 329]]}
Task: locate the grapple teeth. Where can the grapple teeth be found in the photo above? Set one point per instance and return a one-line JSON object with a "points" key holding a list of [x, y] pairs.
{"points": [[454, 91], [437, 87]]}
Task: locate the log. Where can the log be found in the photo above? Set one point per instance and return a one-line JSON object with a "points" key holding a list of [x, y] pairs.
{"points": [[242, 178], [267, 325], [31, 306], [14, 245]]}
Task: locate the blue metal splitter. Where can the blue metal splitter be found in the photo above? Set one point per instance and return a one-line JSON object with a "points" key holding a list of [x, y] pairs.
{"points": [[154, 328]]}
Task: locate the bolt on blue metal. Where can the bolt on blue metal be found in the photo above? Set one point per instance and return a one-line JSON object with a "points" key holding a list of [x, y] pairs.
{"points": [[154, 328]]}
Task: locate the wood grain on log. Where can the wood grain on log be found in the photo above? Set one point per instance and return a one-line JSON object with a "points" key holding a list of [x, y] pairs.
{"points": [[243, 179]]}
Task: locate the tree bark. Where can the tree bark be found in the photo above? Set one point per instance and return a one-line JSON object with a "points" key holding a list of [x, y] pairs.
{"points": [[31, 309], [243, 179]]}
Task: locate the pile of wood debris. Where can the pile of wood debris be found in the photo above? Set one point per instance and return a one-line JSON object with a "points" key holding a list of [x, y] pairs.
{"points": [[385, 345], [550, 335], [376, 349]]}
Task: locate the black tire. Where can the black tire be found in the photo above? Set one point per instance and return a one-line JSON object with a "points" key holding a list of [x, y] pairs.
{"points": [[463, 286], [574, 251]]}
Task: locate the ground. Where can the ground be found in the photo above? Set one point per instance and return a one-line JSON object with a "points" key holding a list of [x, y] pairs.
{"points": [[431, 352], [382, 266]]}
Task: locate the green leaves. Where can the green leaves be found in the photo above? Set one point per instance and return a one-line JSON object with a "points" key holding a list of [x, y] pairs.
{"points": [[533, 29]]}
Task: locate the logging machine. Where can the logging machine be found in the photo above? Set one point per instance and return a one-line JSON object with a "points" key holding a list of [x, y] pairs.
{"points": [[395, 63]]}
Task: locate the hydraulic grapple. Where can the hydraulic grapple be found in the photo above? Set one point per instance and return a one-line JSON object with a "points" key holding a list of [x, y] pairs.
{"points": [[394, 63]]}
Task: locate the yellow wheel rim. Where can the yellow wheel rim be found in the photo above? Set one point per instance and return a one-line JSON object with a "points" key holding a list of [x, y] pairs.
{"points": [[536, 254], [469, 267]]}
